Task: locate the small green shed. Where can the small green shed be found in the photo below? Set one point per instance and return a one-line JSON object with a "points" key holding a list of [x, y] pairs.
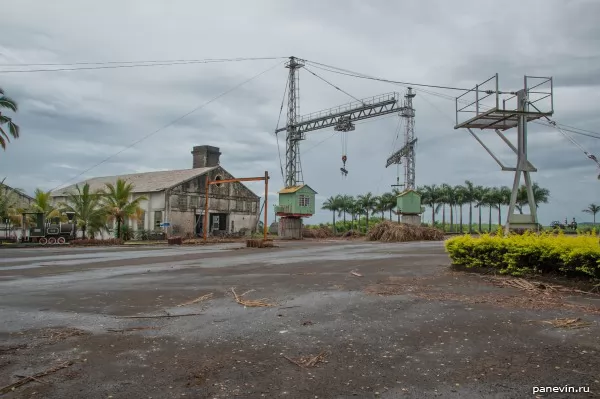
{"points": [[296, 201], [409, 203]]}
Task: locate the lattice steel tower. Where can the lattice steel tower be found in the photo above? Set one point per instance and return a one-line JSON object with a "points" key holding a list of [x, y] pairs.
{"points": [[293, 167], [406, 154], [408, 112]]}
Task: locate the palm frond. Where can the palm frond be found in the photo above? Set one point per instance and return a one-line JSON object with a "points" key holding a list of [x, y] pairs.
{"points": [[7, 102]]}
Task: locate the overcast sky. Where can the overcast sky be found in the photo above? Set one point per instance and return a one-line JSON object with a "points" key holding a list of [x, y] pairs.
{"points": [[72, 120]]}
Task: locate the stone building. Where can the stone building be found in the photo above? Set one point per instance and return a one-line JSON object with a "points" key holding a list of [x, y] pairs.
{"points": [[176, 198]]}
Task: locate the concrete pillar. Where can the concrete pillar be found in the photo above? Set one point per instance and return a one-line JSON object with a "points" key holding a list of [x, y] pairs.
{"points": [[290, 228], [415, 220]]}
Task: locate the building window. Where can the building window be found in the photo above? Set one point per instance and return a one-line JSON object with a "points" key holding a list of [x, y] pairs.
{"points": [[182, 202], [141, 221], [303, 200], [157, 219]]}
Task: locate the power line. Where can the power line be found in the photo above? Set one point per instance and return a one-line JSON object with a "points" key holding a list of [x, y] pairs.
{"points": [[346, 72], [277, 127], [172, 123], [363, 76], [134, 65], [139, 62], [331, 84]]}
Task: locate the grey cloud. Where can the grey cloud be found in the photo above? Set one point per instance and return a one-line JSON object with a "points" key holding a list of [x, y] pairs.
{"points": [[74, 120]]}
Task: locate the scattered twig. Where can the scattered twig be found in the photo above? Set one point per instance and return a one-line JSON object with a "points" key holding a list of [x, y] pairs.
{"points": [[199, 299], [293, 361], [356, 274], [161, 316], [568, 323], [35, 377], [59, 334], [8, 349], [308, 361], [250, 302], [131, 329]]}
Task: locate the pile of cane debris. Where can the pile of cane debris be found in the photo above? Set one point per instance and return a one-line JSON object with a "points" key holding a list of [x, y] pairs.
{"points": [[250, 303], [531, 286], [307, 361], [567, 323]]}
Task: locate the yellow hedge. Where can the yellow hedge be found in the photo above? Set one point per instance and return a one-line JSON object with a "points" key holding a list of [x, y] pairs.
{"points": [[573, 256]]}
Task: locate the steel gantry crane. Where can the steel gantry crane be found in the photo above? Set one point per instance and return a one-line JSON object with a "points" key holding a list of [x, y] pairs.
{"points": [[296, 200]]}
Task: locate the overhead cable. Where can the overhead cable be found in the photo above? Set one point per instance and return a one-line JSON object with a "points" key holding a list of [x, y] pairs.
{"points": [[136, 65], [172, 122]]}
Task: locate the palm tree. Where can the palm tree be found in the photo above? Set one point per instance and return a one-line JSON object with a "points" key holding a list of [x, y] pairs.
{"points": [[87, 207], [480, 200], [499, 198], [592, 209], [469, 196], [13, 129], [345, 204], [490, 201], [356, 209], [540, 196], [117, 203], [368, 203], [381, 206], [42, 202], [450, 198], [431, 196], [332, 204], [389, 202], [461, 199]]}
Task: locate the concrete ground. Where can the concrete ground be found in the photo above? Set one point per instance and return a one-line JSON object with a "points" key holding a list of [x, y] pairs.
{"points": [[406, 326]]}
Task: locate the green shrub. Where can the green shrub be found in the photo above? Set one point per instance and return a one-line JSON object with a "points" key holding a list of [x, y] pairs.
{"points": [[521, 254]]}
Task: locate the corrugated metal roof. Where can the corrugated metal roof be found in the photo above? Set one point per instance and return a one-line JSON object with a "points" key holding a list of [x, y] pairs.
{"points": [[293, 189], [142, 182]]}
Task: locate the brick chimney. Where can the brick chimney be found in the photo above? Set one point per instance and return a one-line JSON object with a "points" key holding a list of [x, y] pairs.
{"points": [[205, 156]]}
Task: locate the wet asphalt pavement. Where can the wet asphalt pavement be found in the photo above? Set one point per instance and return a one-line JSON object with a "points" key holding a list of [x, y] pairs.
{"points": [[407, 327]]}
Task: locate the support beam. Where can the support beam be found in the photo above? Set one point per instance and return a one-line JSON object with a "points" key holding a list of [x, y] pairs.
{"points": [[490, 151], [522, 220], [241, 179]]}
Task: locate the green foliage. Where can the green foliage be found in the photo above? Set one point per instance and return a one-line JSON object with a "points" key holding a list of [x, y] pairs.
{"points": [[87, 208], [142, 235], [116, 198], [126, 233], [6, 123], [528, 253]]}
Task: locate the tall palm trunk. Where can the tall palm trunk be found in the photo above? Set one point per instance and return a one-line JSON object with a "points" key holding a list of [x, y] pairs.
{"points": [[461, 219], [499, 215], [490, 220], [333, 222], [470, 217], [451, 218], [83, 228], [432, 215], [479, 219], [118, 227], [444, 217]]}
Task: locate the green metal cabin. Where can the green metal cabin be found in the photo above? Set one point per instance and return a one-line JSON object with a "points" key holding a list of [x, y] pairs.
{"points": [[409, 203], [296, 201]]}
